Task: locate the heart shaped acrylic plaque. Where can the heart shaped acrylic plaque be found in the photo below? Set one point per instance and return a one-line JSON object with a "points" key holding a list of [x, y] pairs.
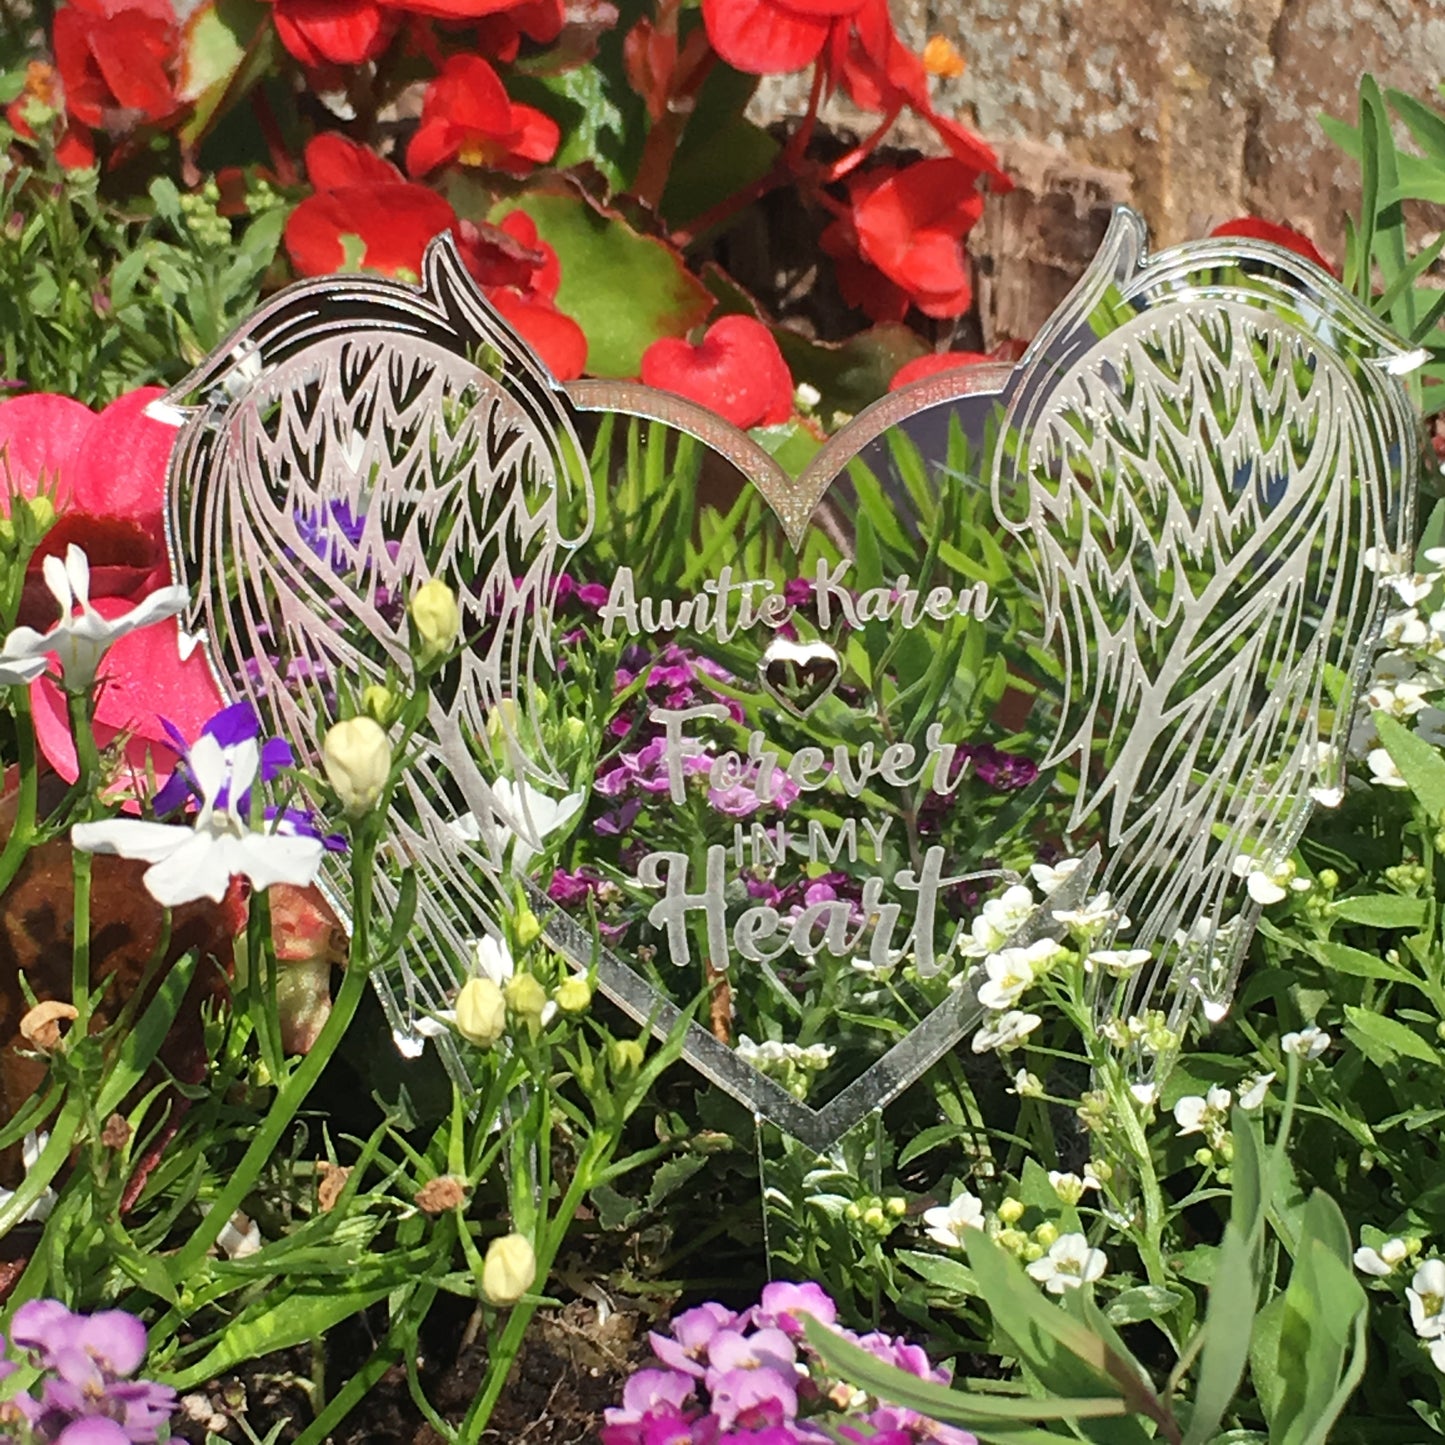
{"points": [[789, 754]]}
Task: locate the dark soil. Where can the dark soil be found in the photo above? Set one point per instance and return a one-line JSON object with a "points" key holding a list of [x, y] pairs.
{"points": [[572, 1366]]}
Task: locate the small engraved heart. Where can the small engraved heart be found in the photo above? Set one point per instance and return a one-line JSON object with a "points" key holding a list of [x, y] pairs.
{"points": [[799, 674]]}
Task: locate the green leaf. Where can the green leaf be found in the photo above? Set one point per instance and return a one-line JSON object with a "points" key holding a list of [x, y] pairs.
{"points": [[1426, 125], [623, 289], [1359, 964], [854, 373], [1382, 910], [227, 45], [1228, 1323], [601, 118], [1143, 1302], [1384, 1039], [946, 1274], [1420, 765]]}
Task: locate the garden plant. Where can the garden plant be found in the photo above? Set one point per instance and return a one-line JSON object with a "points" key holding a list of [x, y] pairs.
{"points": [[244, 1199]]}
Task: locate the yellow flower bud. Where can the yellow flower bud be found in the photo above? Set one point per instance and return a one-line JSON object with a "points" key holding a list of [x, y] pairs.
{"points": [[526, 998], [626, 1056], [526, 929], [573, 995], [481, 1012], [42, 511], [1010, 1211], [509, 1269], [379, 702], [436, 619], [357, 757], [1046, 1233]]}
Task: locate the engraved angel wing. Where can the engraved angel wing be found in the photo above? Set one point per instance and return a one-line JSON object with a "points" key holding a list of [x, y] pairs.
{"points": [[1200, 454], [356, 438]]}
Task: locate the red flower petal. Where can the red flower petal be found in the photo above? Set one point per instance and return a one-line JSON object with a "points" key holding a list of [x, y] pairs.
{"points": [[39, 436], [394, 223], [548, 276], [470, 94], [876, 69], [120, 466], [1252, 228], [535, 138], [552, 334], [736, 371], [336, 32], [143, 680], [936, 364], [134, 51], [971, 149], [760, 37], [862, 285], [333, 161], [433, 144]]}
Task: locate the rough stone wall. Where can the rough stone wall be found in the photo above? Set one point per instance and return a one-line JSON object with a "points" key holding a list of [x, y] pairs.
{"points": [[1194, 111]]}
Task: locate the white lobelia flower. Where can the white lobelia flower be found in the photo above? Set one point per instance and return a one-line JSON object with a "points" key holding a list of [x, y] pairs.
{"points": [[1003, 1031], [82, 637], [1382, 1261], [31, 1148], [200, 861], [1308, 1043], [1069, 1263], [1252, 1090], [1208, 1115], [946, 1226], [527, 816], [1427, 1299], [997, 922]]}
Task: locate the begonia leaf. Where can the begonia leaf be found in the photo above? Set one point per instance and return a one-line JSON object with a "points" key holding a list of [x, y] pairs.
{"points": [[853, 373], [624, 289], [226, 46]]}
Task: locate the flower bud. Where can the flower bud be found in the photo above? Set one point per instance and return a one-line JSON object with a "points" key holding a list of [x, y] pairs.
{"points": [[481, 1012], [1010, 1211], [436, 620], [42, 511], [1046, 1233], [625, 1056], [874, 1217], [897, 1206], [573, 995], [357, 757], [380, 703], [1013, 1240], [526, 928], [526, 998], [509, 1269]]}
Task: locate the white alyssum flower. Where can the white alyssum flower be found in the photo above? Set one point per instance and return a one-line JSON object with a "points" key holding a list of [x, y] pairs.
{"points": [[1252, 1090], [1402, 700], [997, 922], [946, 1225], [1427, 1299], [1308, 1043], [1012, 970], [1208, 1115], [1146, 1095], [1382, 1261], [1093, 918], [1050, 878], [1069, 1263], [82, 636], [1117, 962], [1027, 1085], [1269, 883], [1071, 1187], [200, 861], [1383, 771], [1003, 1031], [31, 1148]]}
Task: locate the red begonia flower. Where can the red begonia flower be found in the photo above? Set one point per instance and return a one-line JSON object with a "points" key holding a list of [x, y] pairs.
{"points": [[108, 472], [142, 679], [911, 224], [333, 161], [971, 149], [935, 364], [763, 37], [736, 370], [876, 69], [861, 285], [510, 253], [552, 334], [334, 32], [1254, 229], [467, 116], [116, 56]]}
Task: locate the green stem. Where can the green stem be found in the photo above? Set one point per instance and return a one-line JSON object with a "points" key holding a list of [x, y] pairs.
{"points": [[22, 834], [81, 864], [292, 1093], [509, 1343], [87, 755]]}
